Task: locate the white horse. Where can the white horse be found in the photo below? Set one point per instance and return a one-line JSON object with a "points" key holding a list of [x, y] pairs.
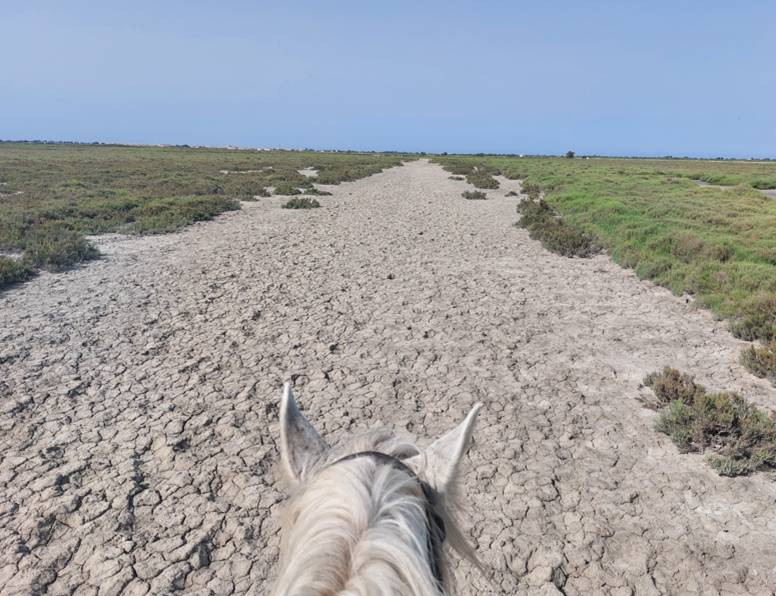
{"points": [[369, 519]]}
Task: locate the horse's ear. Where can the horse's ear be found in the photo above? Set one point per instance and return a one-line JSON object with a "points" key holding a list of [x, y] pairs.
{"points": [[300, 444], [444, 454]]}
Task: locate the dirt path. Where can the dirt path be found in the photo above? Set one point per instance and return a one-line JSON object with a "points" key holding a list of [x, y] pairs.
{"points": [[139, 399]]}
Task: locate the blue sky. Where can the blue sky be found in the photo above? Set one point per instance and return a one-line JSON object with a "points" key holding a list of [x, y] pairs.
{"points": [[609, 77]]}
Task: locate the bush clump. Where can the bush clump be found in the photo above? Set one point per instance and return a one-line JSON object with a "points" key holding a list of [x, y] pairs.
{"points": [[758, 320], [14, 271], [474, 195], [317, 192], [56, 248], [301, 203], [480, 179], [737, 436], [532, 190], [761, 360], [287, 189], [553, 232], [671, 385]]}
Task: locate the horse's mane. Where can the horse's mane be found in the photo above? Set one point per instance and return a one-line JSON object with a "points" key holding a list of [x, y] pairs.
{"points": [[359, 528]]}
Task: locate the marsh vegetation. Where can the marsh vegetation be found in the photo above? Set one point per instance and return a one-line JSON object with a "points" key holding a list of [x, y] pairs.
{"points": [[52, 196]]}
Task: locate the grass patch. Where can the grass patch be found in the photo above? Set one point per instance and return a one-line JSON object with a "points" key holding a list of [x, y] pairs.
{"points": [[761, 360], [474, 195], [545, 225], [301, 203], [716, 244], [69, 191], [737, 437]]}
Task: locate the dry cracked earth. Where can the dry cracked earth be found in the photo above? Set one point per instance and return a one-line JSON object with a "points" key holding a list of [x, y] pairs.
{"points": [[140, 393]]}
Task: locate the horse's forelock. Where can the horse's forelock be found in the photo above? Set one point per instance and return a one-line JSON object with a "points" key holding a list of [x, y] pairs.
{"points": [[360, 526]]}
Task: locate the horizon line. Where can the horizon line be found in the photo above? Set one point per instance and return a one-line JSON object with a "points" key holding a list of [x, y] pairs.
{"points": [[666, 156]]}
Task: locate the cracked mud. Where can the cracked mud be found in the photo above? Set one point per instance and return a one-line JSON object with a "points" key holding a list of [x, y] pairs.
{"points": [[138, 400]]}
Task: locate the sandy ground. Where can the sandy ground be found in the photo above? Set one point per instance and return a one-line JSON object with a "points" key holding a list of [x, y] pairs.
{"points": [[768, 192], [139, 400]]}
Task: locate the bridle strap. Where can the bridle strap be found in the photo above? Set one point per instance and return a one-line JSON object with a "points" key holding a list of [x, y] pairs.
{"points": [[434, 522]]}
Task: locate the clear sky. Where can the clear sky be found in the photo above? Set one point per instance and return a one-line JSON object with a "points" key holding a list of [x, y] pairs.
{"points": [[613, 77]]}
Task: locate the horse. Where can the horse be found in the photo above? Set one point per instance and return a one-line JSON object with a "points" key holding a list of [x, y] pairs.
{"points": [[372, 517]]}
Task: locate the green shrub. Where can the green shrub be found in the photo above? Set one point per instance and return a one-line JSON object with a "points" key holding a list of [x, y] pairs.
{"points": [[474, 195], [301, 203], [758, 320], [764, 183], [287, 189], [532, 190], [738, 437], [56, 248], [670, 385], [761, 360], [14, 271], [545, 225], [316, 192], [480, 179]]}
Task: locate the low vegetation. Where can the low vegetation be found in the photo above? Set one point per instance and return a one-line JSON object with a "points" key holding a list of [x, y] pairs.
{"points": [[13, 271], [761, 360], [474, 195], [737, 437], [301, 203], [475, 173], [52, 196], [649, 214], [317, 192], [480, 179], [545, 225], [55, 248]]}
